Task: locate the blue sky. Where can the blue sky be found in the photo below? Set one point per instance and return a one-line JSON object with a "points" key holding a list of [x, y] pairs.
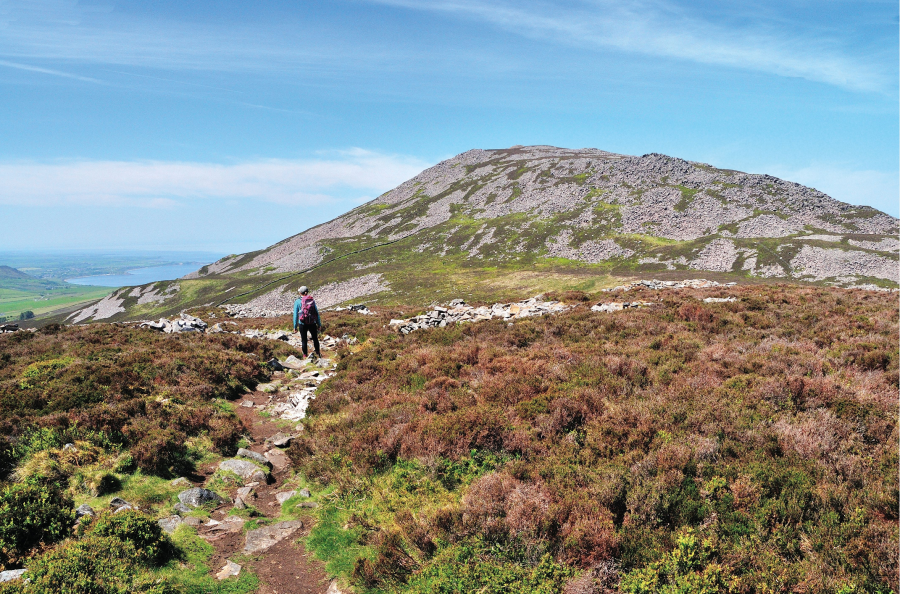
{"points": [[228, 126]]}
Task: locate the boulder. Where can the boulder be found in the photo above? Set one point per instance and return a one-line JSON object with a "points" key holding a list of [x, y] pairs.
{"points": [[198, 496], [169, 524], [84, 510], [251, 455], [245, 469], [263, 538], [12, 574], [118, 502]]}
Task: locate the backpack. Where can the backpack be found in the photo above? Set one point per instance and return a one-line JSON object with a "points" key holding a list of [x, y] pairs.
{"points": [[306, 310]]}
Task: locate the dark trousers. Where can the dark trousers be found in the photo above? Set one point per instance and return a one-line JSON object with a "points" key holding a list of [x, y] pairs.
{"points": [[314, 331]]}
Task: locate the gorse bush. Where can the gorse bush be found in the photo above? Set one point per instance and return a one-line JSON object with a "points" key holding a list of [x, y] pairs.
{"points": [[31, 517], [767, 425]]}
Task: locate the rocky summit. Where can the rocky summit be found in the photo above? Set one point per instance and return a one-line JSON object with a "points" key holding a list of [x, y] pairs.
{"points": [[494, 224]]}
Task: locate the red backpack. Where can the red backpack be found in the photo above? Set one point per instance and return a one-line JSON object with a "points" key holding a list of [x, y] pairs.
{"points": [[306, 306]]}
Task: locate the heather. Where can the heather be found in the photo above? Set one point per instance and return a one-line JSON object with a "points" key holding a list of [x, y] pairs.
{"points": [[132, 398], [748, 446]]}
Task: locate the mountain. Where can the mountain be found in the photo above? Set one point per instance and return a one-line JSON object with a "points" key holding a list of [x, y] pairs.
{"points": [[7, 272], [493, 223]]}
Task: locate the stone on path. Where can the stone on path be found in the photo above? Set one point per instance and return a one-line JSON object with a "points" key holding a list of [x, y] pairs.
{"points": [[281, 440], [231, 569], [263, 538], [293, 362], [244, 493], [278, 459], [245, 469], [251, 455], [180, 482], [198, 496]]}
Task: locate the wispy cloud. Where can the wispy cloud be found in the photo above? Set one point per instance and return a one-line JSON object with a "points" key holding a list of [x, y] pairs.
{"points": [[665, 29], [155, 184], [50, 71]]}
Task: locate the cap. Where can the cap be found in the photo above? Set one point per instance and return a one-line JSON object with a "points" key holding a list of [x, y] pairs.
{"points": [[303, 289]]}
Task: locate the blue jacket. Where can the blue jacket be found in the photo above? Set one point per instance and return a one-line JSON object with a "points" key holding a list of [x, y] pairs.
{"points": [[298, 306]]}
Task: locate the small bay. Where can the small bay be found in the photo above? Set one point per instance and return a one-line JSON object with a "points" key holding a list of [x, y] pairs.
{"points": [[138, 276]]}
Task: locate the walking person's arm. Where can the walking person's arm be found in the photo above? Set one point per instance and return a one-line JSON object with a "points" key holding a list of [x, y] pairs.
{"points": [[296, 314]]}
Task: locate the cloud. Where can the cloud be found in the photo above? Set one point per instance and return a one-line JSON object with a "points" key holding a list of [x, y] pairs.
{"points": [[853, 186], [49, 71], [664, 29], [160, 184]]}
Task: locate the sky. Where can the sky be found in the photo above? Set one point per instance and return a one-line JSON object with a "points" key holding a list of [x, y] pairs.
{"points": [[227, 126]]}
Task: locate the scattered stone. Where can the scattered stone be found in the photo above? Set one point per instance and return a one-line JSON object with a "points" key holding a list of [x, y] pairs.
{"points": [[84, 510], [284, 496], [459, 312], [192, 521], [244, 493], [308, 504], [247, 404], [263, 538], [251, 455], [9, 328], [293, 362], [186, 323], [70, 447], [11, 574], [694, 283], [170, 524], [278, 460], [275, 364], [182, 508], [231, 569], [124, 508], [239, 503], [719, 299], [198, 496], [180, 482], [245, 469], [304, 493], [118, 502], [616, 306], [281, 440]]}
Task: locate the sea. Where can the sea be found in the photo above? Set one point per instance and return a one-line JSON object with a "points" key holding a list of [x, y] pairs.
{"points": [[138, 276]]}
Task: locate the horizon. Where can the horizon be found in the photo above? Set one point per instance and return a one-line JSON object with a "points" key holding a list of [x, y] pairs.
{"points": [[216, 128]]}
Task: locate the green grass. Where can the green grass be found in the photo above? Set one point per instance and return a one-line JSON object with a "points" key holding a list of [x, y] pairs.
{"points": [[192, 573], [44, 297]]}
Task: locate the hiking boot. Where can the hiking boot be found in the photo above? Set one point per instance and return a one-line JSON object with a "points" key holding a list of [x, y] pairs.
{"points": [[312, 357]]}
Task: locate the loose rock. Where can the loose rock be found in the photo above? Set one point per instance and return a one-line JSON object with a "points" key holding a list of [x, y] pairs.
{"points": [[198, 496], [263, 538]]}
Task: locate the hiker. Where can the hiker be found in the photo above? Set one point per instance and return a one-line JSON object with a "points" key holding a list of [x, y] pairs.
{"points": [[306, 317]]}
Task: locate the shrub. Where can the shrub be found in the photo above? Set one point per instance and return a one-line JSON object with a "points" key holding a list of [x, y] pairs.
{"points": [[142, 532], [688, 568], [31, 517]]}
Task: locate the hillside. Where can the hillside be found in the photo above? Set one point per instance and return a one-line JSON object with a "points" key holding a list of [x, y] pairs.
{"points": [[488, 224], [7, 273], [722, 440], [21, 292]]}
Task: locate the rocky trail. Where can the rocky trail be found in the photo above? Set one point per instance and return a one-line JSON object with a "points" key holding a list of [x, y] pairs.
{"points": [[271, 550]]}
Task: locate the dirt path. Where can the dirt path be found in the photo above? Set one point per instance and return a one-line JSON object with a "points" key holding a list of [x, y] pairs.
{"points": [[285, 567]]}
